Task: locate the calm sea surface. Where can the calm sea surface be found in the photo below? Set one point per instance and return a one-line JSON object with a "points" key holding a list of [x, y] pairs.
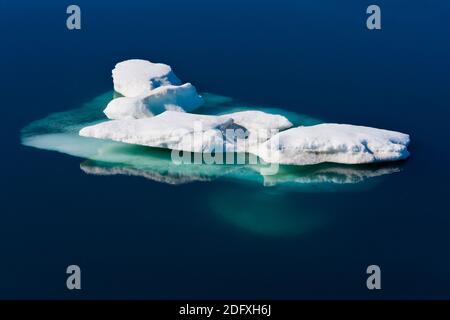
{"points": [[229, 238]]}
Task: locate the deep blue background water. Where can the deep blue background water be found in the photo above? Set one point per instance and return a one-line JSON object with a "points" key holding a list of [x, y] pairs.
{"points": [[134, 238]]}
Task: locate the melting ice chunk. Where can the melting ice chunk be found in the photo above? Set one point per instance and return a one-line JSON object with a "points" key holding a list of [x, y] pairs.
{"points": [[338, 143], [170, 97], [136, 77]]}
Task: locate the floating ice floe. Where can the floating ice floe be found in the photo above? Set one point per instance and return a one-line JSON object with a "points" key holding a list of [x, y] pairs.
{"points": [[337, 143], [156, 101], [60, 132], [136, 77], [257, 133], [154, 112], [152, 88]]}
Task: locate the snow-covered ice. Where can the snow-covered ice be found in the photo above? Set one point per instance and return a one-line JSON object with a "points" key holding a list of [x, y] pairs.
{"points": [[306, 145], [171, 129], [156, 101], [257, 120], [257, 127], [135, 77], [192, 132], [259, 123], [338, 143]]}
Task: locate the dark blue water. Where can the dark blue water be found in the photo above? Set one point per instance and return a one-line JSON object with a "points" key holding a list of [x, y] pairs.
{"points": [[134, 238]]}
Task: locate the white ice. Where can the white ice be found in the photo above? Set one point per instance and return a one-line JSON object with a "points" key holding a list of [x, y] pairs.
{"points": [[192, 132], [154, 112], [156, 101], [171, 129], [337, 143], [135, 77]]}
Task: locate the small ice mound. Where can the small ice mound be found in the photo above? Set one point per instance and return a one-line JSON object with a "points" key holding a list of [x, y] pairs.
{"points": [[337, 143], [136, 77], [257, 126], [258, 120], [171, 129], [169, 97]]}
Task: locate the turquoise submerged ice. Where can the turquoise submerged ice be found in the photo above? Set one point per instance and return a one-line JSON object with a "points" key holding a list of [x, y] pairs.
{"points": [[59, 132]]}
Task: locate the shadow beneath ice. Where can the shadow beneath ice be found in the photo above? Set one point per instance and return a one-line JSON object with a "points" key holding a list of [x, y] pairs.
{"points": [[266, 214]]}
